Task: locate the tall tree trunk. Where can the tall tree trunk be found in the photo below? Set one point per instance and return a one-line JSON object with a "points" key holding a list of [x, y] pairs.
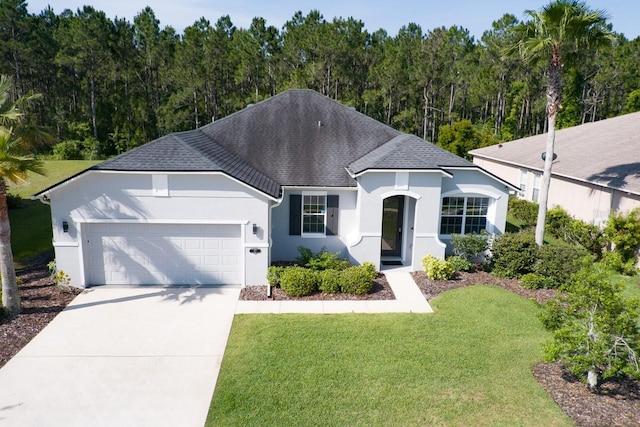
{"points": [[10, 294], [94, 114], [554, 94]]}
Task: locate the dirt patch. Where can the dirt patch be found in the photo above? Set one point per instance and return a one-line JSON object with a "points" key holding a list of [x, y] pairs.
{"points": [[41, 301], [380, 291]]}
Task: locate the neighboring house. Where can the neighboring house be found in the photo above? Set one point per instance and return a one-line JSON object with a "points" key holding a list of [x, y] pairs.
{"points": [[597, 170], [218, 204]]}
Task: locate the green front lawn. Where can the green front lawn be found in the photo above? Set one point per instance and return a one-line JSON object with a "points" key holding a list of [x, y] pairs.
{"points": [[467, 364], [31, 224]]}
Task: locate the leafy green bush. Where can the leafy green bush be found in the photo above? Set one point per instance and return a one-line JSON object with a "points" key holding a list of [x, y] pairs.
{"points": [[595, 329], [69, 150], [460, 263], [613, 261], [472, 247], [358, 279], [563, 226], [299, 281], [524, 210], [557, 262], [330, 281], [305, 256], [273, 275], [536, 281], [327, 260], [514, 254], [437, 269], [623, 230]]}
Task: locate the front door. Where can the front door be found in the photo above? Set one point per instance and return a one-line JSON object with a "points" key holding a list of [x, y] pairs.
{"points": [[392, 222]]}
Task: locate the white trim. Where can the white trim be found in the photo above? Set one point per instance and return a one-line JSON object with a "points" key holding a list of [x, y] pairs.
{"points": [[478, 168], [311, 235], [439, 171], [471, 192], [93, 171], [315, 188], [66, 244], [160, 185], [402, 180], [255, 245], [156, 221], [401, 193]]}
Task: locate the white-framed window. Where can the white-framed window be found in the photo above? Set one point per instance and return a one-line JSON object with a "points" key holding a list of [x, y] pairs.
{"points": [[464, 214], [314, 213], [523, 183], [536, 187]]}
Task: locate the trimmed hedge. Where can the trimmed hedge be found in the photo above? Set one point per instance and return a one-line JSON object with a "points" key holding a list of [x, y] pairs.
{"points": [[437, 269], [273, 275], [557, 262], [330, 281], [514, 254], [524, 210], [358, 279], [299, 281]]}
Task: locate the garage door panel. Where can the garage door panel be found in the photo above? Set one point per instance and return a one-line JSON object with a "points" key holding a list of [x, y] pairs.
{"points": [[164, 254]]}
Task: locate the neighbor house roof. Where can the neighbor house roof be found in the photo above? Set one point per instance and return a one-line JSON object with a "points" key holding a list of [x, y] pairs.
{"points": [[605, 153], [297, 138]]}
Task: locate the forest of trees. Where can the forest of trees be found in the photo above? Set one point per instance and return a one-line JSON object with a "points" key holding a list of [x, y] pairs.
{"points": [[110, 85]]}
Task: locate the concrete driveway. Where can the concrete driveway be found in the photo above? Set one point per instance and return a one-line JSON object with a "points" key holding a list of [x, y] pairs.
{"points": [[122, 357]]}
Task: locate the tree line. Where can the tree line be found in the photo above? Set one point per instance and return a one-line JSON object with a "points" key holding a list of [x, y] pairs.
{"points": [[109, 85]]}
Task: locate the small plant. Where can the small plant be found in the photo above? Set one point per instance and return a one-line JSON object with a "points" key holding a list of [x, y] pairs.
{"points": [[273, 275], [524, 210], [61, 278], [595, 329], [327, 260], [437, 269], [358, 279], [536, 281], [613, 261], [330, 281], [623, 230], [305, 256], [299, 281], [514, 254], [471, 246], [460, 263]]}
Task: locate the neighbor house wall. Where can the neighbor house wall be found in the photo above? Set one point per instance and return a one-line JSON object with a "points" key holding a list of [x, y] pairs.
{"points": [[187, 198]]}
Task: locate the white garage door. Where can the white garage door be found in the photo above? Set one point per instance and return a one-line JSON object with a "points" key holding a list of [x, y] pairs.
{"points": [[163, 254]]}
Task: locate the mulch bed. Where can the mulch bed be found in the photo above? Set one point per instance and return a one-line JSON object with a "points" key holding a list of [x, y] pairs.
{"points": [[41, 301], [618, 403], [380, 291]]}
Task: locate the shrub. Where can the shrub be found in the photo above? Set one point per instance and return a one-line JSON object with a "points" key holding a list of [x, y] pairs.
{"points": [[571, 230], [273, 275], [299, 281], [623, 230], [330, 281], [514, 254], [613, 261], [557, 262], [437, 269], [535, 281], [524, 210], [358, 279], [472, 246], [459, 263], [305, 255], [327, 260], [69, 150], [595, 329]]}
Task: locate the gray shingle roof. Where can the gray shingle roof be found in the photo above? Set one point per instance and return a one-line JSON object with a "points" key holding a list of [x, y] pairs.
{"points": [[296, 138], [605, 153]]}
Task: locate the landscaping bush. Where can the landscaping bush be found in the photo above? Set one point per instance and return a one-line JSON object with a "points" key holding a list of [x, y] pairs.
{"points": [[536, 281], [327, 261], [514, 254], [613, 261], [330, 281], [273, 275], [69, 150], [472, 247], [299, 281], [460, 263], [437, 269], [623, 230], [524, 210], [557, 262], [571, 230], [358, 279], [305, 256]]}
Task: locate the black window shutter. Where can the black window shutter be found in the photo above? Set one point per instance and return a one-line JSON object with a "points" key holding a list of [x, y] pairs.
{"points": [[295, 214], [332, 215]]}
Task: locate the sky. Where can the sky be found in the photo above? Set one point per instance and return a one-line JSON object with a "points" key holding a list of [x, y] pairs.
{"points": [[391, 15]]}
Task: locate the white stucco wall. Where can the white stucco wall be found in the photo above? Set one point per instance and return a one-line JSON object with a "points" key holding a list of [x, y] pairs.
{"points": [[189, 198]]}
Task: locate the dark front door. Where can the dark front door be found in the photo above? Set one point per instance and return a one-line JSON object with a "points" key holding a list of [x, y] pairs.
{"points": [[392, 222]]}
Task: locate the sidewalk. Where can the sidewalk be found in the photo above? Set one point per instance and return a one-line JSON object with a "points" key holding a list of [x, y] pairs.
{"points": [[409, 299]]}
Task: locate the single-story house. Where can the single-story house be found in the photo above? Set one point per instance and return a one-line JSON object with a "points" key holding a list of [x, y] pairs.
{"points": [[596, 172], [218, 204]]}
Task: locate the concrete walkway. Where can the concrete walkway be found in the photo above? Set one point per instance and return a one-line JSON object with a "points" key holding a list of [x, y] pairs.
{"points": [[409, 299]]}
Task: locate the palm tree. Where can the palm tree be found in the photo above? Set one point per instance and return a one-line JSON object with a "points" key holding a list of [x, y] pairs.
{"points": [[13, 167], [562, 29]]}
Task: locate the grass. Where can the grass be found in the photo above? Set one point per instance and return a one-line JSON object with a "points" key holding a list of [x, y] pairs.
{"points": [[31, 225], [468, 364]]}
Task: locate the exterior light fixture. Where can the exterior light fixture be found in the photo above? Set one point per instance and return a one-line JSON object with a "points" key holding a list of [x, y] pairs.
{"points": [[65, 226], [544, 156], [255, 229]]}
